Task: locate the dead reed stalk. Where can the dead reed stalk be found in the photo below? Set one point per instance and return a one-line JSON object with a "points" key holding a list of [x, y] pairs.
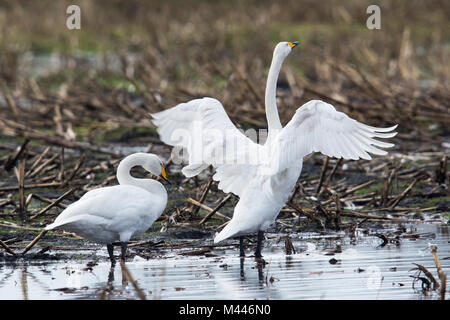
{"points": [[441, 274]]}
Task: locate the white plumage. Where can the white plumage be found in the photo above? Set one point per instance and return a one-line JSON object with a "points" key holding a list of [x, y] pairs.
{"points": [[117, 213], [264, 175], [318, 127]]}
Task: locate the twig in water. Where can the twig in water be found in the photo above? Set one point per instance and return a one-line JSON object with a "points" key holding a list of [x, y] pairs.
{"points": [[442, 275], [428, 274], [127, 275], [288, 246], [382, 237], [196, 252]]}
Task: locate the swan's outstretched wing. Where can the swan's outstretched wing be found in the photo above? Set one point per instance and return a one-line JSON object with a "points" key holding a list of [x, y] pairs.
{"points": [[203, 129], [318, 127]]}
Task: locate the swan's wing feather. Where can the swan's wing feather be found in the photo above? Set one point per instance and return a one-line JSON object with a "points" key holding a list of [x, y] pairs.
{"points": [[203, 129], [208, 111], [318, 127], [90, 194]]}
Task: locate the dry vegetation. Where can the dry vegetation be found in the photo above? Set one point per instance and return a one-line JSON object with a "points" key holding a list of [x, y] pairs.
{"points": [[68, 99]]}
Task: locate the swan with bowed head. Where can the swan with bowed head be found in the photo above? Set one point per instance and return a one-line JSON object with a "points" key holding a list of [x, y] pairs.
{"points": [[117, 213]]}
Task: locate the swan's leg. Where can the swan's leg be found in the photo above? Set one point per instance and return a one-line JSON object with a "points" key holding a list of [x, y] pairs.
{"points": [[123, 246], [111, 254], [241, 246], [259, 244], [242, 269]]}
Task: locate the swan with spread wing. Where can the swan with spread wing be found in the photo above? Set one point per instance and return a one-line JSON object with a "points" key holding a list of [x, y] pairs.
{"points": [[263, 185]]}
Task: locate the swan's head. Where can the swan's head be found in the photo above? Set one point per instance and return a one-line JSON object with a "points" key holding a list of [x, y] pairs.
{"points": [[152, 163], [284, 48]]}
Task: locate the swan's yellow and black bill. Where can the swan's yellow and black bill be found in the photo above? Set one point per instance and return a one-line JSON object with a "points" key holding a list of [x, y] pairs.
{"points": [[293, 44], [164, 175]]}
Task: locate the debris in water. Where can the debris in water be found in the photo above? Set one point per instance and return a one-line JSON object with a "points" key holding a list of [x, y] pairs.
{"points": [[334, 261]]}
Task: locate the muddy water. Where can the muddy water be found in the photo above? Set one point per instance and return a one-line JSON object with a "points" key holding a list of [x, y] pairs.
{"points": [[323, 267]]}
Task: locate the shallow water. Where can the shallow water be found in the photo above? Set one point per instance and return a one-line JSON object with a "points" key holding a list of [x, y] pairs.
{"points": [[362, 270]]}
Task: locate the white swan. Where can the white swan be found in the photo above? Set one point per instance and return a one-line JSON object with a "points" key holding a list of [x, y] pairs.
{"points": [[265, 184], [117, 213]]}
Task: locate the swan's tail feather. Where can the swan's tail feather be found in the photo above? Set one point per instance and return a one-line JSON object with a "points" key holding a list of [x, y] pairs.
{"points": [[51, 226], [227, 232], [193, 170], [64, 222]]}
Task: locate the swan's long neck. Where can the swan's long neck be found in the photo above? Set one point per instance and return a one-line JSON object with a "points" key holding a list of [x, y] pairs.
{"points": [[124, 177], [273, 119]]}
